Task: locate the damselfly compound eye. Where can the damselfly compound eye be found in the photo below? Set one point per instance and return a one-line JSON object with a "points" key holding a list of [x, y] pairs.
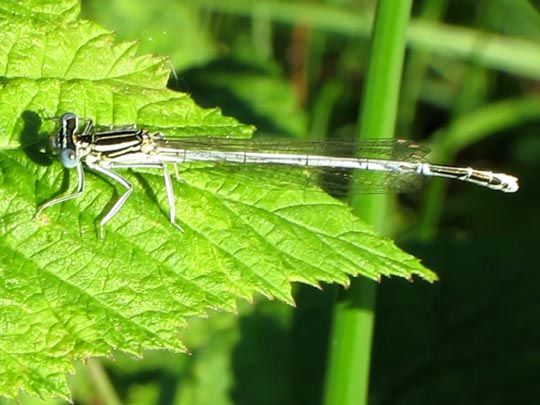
{"points": [[68, 157]]}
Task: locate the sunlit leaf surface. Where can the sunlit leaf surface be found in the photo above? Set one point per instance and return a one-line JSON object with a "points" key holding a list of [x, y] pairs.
{"points": [[65, 294]]}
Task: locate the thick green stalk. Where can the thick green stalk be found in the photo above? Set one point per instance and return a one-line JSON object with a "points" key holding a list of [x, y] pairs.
{"points": [[347, 379]]}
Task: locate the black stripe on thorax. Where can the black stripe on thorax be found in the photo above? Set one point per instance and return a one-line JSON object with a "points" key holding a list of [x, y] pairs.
{"points": [[115, 142]]}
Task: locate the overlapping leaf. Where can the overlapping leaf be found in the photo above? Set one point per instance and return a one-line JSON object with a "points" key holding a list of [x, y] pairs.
{"points": [[66, 295]]}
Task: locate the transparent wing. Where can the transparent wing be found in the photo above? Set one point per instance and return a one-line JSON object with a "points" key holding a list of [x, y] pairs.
{"points": [[395, 149], [336, 181]]}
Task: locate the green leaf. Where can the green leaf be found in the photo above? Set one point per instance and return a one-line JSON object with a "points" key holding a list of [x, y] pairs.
{"points": [[175, 29], [43, 10], [66, 295], [513, 17]]}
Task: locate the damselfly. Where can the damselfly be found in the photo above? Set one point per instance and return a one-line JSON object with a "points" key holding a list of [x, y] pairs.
{"points": [[105, 151]]}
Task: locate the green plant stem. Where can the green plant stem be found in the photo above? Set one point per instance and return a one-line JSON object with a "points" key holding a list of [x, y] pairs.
{"points": [[322, 109], [262, 36], [347, 379], [102, 383]]}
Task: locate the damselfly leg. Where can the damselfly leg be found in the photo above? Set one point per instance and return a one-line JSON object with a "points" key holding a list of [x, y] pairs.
{"points": [[120, 202], [66, 148], [75, 149], [168, 188], [80, 189]]}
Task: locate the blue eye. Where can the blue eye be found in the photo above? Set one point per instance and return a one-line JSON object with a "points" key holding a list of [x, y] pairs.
{"points": [[69, 159]]}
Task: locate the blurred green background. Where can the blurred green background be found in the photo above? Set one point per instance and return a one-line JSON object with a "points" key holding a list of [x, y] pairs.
{"points": [[471, 91]]}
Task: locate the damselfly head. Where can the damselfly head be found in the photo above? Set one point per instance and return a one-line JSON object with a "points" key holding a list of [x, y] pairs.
{"points": [[63, 141], [69, 124]]}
